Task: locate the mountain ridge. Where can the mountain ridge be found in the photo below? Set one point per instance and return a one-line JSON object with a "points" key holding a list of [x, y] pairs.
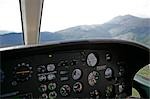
{"points": [[126, 27]]}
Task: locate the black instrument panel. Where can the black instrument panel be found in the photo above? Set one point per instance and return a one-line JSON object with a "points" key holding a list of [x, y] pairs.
{"points": [[80, 69]]}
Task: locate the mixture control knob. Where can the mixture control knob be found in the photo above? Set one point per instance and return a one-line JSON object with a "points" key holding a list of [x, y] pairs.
{"points": [[65, 90], [43, 88], [77, 87], [95, 94]]}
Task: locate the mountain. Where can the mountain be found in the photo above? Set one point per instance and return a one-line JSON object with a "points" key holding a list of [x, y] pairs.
{"points": [[126, 27], [11, 39]]}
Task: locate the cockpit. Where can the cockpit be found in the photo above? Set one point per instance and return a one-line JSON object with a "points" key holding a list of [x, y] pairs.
{"points": [[82, 62]]}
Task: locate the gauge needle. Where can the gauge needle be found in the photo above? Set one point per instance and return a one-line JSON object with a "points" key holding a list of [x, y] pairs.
{"points": [[22, 72]]}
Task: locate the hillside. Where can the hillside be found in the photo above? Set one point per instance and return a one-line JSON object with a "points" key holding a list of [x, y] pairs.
{"points": [[126, 27]]}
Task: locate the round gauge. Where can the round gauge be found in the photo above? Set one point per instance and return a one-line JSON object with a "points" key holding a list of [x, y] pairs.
{"points": [[93, 77], [77, 87], [65, 90], [91, 60], [50, 67], [76, 74], [22, 72], [51, 76], [108, 73]]}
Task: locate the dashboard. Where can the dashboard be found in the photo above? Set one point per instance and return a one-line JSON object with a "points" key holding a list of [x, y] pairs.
{"points": [[75, 69]]}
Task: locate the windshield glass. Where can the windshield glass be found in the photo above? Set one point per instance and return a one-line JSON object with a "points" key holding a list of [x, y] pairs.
{"points": [[10, 23], [96, 19]]}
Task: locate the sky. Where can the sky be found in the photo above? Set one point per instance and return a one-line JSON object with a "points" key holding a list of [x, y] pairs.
{"points": [[61, 14]]}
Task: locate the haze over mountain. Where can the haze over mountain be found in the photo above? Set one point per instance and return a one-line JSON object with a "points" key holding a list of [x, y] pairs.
{"points": [[126, 27]]}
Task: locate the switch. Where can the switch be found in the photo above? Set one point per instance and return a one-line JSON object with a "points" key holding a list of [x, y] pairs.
{"points": [[108, 56]]}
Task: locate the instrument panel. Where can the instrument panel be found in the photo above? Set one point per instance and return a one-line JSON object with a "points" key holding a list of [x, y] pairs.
{"points": [[81, 69]]}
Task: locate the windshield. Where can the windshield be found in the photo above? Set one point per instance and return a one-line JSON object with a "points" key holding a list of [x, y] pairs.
{"points": [[10, 23], [96, 19]]}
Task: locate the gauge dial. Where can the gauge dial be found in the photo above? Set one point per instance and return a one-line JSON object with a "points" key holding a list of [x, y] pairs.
{"points": [[65, 90], [50, 67], [76, 74], [22, 72], [93, 77], [77, 87], [91, 60], [108, 73]]}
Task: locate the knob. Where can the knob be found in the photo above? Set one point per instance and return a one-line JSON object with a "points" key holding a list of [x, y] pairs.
{"points": [[65, 90], [77, 87]]}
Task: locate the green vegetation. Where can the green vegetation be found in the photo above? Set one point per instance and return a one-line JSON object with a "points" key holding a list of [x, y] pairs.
{"points": [[135, 93], [145, 71]]}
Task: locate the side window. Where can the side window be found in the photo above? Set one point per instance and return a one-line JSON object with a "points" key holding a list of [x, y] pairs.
{"points": [[10, 23]]}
